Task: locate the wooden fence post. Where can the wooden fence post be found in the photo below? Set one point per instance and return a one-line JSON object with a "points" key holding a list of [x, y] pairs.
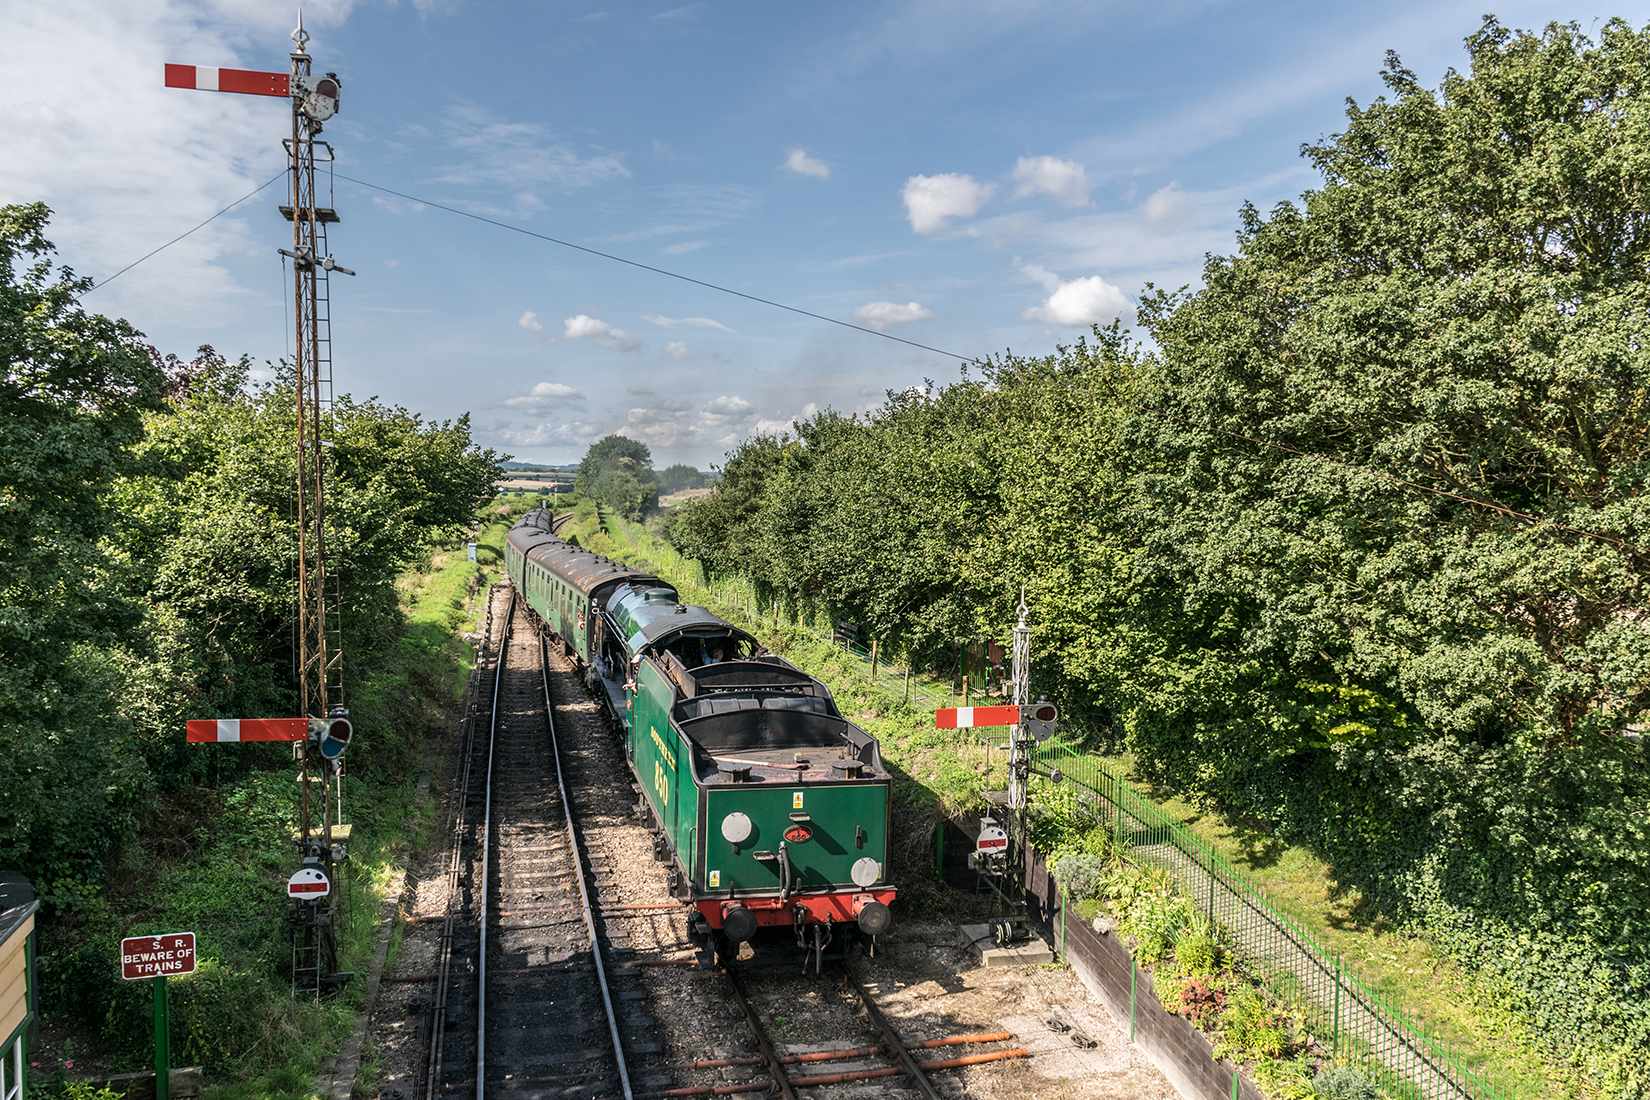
{"points": [[873, 660]]}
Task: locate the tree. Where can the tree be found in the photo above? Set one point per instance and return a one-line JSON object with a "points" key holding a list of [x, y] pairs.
{"points": [[618, 471], [73, 389], [673, 479]]}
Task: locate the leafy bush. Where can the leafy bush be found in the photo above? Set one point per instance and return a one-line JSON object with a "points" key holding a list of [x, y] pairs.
{"points": [[1149, 908], [1345, 1083], [1197, 954], [1200, 1001], [1082, 876], [1251, 1028]]}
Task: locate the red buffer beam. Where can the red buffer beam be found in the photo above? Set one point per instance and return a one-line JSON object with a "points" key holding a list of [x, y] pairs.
{"points": [[209, 78], [962, 718], [248, 729]]}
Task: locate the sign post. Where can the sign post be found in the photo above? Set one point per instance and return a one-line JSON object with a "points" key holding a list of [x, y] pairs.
{"points": [[163, 1043], [154, 958]]}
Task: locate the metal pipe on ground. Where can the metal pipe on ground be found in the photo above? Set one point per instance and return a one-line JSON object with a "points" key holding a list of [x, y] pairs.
{"points": [[892, 1071]]}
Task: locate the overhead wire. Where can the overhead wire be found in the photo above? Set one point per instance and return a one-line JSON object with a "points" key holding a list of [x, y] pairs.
{"points": [[660, 270], [182, 235]]}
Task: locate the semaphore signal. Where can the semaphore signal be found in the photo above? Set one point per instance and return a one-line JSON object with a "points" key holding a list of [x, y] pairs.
{"points": [[323, 729]]}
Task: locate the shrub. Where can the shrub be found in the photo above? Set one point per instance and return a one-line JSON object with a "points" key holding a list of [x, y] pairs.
{"points": [[1150, 909], [1083, 876], [1250, 1028], [1200, 1002], [1345, 1083], [1197, 954]]}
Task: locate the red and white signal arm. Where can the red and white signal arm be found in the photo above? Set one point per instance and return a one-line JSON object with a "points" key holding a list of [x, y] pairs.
{"points": [[964, 718], [992, 839], [164, 956], [308, 883]]}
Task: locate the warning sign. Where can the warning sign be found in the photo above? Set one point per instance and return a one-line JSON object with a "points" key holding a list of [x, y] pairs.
{"points": [[163, 956], [308, 882]]}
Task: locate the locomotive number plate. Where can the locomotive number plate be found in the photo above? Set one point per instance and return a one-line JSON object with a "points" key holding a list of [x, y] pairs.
{"points": [[796, 834]]}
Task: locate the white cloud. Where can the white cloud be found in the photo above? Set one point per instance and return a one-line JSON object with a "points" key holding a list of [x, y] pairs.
{"points": [[127, 164], [1086, 301], [798, 161], [672, 322], [777, 427], [682, 248], [1165, 209], [530, 322], [575, 433], [518, 156], [880, 315], [1066, 180], [726, 410], [543, 397], [1050, 281], [678, 350], [931, 200], [662, 424], [601, 332]]}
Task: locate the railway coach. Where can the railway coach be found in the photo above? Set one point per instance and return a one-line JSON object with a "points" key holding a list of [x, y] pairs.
{"points": [[770, 807]]}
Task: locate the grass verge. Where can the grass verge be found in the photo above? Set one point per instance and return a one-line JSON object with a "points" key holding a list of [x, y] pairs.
{"points": [[215, 860]]}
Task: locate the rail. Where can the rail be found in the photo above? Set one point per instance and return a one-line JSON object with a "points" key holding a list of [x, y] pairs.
{"points": [[578, 875], [443, 974], [1362, 1026], [497, 821]]}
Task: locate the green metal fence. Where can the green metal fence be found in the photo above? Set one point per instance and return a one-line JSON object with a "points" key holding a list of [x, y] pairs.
{"points": [[1354, 1021]]}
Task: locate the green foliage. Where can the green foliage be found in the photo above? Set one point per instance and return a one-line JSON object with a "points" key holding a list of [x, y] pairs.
{"points": [[673, 479], [146, 544], [1197, 954], [618, 472], [1354, 548], [74, 388], [1345, 1083], [1252, 1027], [1151, 909], [1080, 875]]}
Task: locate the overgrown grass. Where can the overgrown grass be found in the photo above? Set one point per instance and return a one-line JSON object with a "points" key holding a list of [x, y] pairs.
{"points": [[1399, 965], [215, 861]]}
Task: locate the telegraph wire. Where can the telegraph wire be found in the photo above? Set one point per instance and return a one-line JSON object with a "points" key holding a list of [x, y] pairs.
{"points": [[660, 270], [184, 234]]}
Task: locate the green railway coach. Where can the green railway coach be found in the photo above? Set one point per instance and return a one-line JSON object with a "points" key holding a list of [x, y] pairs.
{"points": [[770, 807]]}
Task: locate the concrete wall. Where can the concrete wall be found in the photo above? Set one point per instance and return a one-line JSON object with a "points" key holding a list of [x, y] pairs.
{"points": [[1180, 1051]]}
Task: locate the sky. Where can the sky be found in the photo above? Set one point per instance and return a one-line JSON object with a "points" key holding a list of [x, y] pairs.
{"points": [[974, 177]]}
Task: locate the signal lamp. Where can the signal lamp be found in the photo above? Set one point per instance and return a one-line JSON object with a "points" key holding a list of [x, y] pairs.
{"points": [[331, 736], [1039, 718]]}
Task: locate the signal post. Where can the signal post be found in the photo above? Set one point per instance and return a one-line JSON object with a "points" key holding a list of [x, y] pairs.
{"points": [[323, 730]]}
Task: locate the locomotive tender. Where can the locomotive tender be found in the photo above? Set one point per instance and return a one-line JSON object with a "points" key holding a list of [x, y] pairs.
{"points": [[771, 808]]}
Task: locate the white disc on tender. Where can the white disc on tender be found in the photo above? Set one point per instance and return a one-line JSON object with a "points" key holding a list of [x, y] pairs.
{"points": [[866, 872], [736, 828]]}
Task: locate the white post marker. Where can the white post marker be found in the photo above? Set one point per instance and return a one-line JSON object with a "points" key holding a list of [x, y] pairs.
{"points": [[308, 883]]}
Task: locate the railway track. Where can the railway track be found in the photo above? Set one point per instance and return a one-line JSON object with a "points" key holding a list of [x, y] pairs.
{"points": [[527, 1002], [563, 969]]}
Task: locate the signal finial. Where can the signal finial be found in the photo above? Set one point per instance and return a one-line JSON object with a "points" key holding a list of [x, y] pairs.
{"points": [[300, 36]]}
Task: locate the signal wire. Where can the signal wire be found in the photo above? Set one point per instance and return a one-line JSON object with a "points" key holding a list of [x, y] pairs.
{"points": [[184, 234], [661, 271]]}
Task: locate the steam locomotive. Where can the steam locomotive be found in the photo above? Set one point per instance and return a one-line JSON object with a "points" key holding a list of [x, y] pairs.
{"points": [[771, 808]]}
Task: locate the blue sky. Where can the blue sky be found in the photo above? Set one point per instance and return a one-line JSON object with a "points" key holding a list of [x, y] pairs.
{"points": [[971, 176]]}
